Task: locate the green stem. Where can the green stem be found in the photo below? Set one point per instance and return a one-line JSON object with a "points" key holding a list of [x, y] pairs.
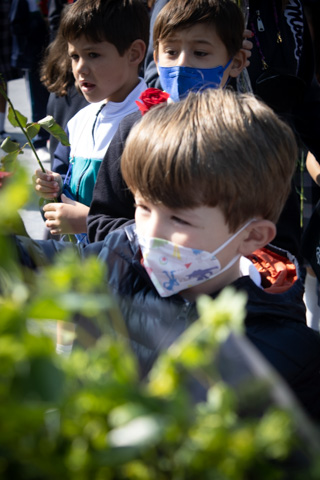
{"points": [[24, 131]]}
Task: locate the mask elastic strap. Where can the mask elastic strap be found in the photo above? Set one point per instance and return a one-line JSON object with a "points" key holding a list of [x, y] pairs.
{"points": [[232, 237], [227, 64], [232, 262], [228, 79]]}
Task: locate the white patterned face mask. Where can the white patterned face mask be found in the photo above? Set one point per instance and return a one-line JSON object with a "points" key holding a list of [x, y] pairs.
{"points": [[173, 268]]}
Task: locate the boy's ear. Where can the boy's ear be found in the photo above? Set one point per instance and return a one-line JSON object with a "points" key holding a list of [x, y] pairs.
{"points": [[238, 63], [258, 234], [137, 52]]}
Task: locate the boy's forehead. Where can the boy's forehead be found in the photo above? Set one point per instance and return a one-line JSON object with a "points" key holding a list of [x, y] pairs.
{"points": [[200, 33], [84, 43]]}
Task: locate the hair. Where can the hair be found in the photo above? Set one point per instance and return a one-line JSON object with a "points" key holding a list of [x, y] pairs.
{"points": [[224, 15], [56, 70], [215, 148], [119, 22]]}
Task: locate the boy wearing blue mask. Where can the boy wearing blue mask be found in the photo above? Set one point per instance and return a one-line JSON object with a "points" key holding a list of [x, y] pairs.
{"points": [[197, 45], [209, 179]]}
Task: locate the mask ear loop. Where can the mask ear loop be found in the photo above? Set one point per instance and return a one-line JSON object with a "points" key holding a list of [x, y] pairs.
{"points": [[233, 237], [227, 64], [234, 259], [225, 68]]}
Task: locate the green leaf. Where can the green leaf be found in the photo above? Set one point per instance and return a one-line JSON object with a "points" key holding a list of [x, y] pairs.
{"points": [[45, 379], [9, 146], [9, 160], [33, 129], [47, 308], [13, 120], [15, 225], [51, 126], [41, 380], [14, 196]]}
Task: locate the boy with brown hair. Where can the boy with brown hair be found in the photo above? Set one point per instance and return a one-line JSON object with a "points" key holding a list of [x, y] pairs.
{"points": [[210, 176], [197, 45], [106, 42]]}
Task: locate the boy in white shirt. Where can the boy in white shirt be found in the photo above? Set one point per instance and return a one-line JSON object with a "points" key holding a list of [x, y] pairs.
{"points": [[107, 43]]}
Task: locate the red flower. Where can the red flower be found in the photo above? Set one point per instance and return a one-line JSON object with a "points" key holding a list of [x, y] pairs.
{"points": [[3, 175], [150, 98]]}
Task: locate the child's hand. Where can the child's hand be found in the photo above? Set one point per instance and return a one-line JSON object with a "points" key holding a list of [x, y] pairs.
{"points": [[47, 185], [66, 217], [247, 45]]}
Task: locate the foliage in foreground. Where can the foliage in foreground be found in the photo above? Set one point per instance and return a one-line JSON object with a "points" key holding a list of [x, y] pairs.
{"points": [[86, 416]]}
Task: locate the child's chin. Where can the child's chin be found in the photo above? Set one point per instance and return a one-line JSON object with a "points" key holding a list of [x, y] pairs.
{"points": [[91, 95]]}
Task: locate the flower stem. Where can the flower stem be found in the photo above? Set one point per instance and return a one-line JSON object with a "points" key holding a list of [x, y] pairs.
{"points": [[24, 131]]}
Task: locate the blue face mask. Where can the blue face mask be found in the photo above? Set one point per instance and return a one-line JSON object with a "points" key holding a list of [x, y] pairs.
{"points": [[179, 81]]}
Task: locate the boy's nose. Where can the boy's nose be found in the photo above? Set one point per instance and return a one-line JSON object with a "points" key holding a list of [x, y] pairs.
{"points": [[156, 227], [183, 60], [81, 66]]}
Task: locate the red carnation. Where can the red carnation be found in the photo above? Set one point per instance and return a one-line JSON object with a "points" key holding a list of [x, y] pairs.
{"points": [[150, 98]]}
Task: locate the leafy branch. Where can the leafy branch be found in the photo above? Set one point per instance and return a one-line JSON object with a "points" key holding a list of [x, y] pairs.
{"points": [[29, 130]]}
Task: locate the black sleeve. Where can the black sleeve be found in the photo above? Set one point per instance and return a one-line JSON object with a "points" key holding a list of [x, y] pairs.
{"points": [[306, 116], [307, 119], [38, 253], [112, 203], [35, 254]]}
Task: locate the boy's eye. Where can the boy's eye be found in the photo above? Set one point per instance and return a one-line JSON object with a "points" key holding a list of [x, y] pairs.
{"points": [[93, 55], [171, 52], [200, 54], [180, 220], [143, 207]]}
